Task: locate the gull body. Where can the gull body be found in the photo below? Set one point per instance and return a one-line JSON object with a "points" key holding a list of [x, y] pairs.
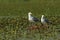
{"points": [[31, 18], [44, 20]]}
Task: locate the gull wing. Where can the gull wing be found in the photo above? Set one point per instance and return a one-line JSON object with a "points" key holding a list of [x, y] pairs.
{"points": [[35, 19]]}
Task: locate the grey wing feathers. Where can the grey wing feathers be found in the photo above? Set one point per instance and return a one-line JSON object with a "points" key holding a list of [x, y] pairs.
{"points": [[48, 21], [35, 19]]}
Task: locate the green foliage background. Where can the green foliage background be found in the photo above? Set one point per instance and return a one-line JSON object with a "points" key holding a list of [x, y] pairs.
{"points": [[13, 19]]}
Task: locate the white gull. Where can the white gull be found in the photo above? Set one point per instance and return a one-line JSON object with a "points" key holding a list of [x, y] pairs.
{"points": [[31, 18]]}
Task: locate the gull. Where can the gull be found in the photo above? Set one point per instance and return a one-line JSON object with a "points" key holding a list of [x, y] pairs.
{"points": [[32, 21], [31, 18], [44, 21]]}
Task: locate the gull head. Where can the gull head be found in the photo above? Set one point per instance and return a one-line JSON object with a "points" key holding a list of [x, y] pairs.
{"points": [[42, 16], [29, 13]]}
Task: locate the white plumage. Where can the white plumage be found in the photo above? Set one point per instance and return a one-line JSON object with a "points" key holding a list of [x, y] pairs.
{"points": [[44, 20], [31, 18]]}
